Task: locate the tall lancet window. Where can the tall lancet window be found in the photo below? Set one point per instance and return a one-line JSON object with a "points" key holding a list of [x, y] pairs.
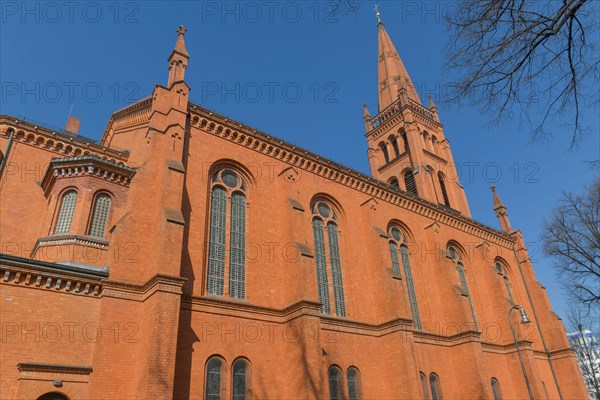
{"points": [[502, 272], [399, 253], [326, 236], [65, 215], [227, 210], [394, 142], [100, 216], [457, 258], [409, 182], [384, 150], [442, 181], [404, 140]]}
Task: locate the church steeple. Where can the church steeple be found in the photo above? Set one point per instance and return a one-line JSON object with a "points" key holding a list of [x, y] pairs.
{"points": [[501, 212], [391, 71], [179, 58], [407, 147]]}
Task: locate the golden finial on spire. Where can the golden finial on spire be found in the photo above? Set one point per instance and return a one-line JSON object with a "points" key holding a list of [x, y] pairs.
{"points": [[377, 13]]}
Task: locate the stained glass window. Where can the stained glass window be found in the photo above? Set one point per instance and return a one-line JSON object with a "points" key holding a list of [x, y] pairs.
{"points": [[213, 379], [240, 380]]}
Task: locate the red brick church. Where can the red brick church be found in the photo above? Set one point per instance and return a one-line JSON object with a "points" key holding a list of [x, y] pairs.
{"points": [[187, 255]]}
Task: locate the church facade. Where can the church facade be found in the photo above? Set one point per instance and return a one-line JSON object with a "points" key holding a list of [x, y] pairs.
{"points": [[187, 255]]}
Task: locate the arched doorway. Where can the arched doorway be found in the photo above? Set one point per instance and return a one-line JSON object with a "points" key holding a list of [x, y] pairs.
{"points": [[53, 396]]}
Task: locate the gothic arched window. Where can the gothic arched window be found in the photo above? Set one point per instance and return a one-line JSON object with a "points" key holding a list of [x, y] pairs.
{"points": [[384, 150], [354, 389], [335, 383], [100, 214], [214, 379], [241, 380], [424, 386], [399, 251], [436, 389], [502, 271], [404, 140], [409, 182], [394, 142], [65, 215], [456, 257], [325, 231], [442, 181], [434, 143], [496, 389], [227, 185]]}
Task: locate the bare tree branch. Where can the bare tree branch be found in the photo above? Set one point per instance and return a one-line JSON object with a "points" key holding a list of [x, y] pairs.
{"points": [[572, 237], [527, 55]]}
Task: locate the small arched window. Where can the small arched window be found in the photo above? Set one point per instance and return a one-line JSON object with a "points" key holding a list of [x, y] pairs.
{"points": [[424, 386], [426, 140], [214, 379], [100, 214], [502, 271], [384, 150], [335, 383], [409, 182], [496, 389], [456, 257], [324, 225], [399, 251], [394, 183], [404, 140], [241, 380], [436, 389], [354, 388], [395, 146], [442, 181], [434, 144], [226, 184], [53, 396], [65, 215]]}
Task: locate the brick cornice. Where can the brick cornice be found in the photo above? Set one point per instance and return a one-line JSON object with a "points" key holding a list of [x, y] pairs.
{"points": [[62, 144], [250, 138], [63, 278], [86, 166]]}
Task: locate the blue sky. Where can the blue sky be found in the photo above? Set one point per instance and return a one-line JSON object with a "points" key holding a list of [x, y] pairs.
{"points": [[284, 68]]}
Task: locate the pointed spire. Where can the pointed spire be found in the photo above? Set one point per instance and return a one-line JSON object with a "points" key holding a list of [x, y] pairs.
{"points": [[367, 118], [178, 59], [392, 72], [431, 103], [180, 45], [501, 212]]}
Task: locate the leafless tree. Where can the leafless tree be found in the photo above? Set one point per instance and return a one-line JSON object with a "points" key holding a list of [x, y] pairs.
{"points": [[537, 58], [572, 237], [584, 336]]}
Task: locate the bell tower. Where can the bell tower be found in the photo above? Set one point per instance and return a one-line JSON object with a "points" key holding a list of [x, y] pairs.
{"points": [[406, 143]]}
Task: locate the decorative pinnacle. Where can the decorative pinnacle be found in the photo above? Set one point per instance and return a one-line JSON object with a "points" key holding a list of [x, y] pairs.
{"points": [[377, 13], [492, 188], [181, 30]]}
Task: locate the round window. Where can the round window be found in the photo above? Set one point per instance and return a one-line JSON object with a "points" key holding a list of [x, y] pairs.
{"points": [[396, 234], [229, 178], [324, 210]]}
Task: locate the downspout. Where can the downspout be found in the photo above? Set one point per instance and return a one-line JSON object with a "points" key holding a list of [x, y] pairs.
{"points": [[7, 151], [537, 322]]}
